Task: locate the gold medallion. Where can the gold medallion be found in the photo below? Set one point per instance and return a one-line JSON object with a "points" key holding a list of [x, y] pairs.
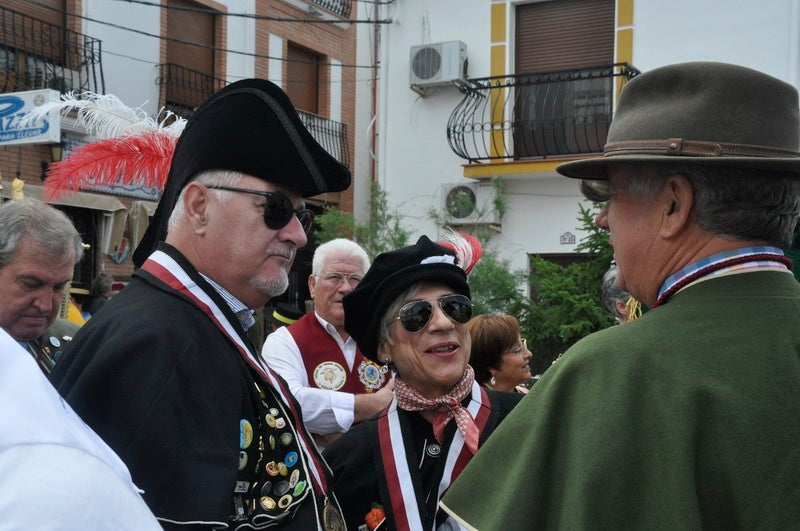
{"points": [[331, 517]]}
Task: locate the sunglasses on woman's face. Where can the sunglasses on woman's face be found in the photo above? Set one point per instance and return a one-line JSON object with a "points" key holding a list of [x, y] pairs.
{"points": [[278, 210], [415, 315]]}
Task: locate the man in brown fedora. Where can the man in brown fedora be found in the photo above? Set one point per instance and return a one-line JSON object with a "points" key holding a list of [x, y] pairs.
{"points": [[167, 373], [688, 417]]}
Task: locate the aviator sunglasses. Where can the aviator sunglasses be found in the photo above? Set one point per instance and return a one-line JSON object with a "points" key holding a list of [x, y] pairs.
{"points": [[416, 314], [278, 210]]}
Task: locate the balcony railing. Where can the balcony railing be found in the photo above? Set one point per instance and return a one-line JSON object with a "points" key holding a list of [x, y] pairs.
{"points": [[536, 115], [330, 134], [36, 55], [183, 89], [339, 7]]}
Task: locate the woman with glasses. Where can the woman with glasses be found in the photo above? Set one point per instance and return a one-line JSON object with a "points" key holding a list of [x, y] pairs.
{"points": [[410, 314], [499, 356]]}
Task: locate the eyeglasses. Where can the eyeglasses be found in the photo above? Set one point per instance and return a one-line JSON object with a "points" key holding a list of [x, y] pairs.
{"points": [[596, 191], [278, 210], [523, 345], [415, 315], [336, 278]]}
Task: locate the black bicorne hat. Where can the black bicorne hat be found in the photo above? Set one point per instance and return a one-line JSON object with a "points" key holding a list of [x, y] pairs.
{"points": [[251, 127]]}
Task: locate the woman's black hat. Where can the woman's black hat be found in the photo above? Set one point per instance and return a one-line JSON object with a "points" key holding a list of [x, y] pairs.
{"points": [[390, 274]]}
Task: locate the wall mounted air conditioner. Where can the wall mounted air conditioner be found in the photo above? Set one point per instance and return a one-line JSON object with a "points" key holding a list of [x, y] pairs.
{"points": [[471, 204], [438, 64]]}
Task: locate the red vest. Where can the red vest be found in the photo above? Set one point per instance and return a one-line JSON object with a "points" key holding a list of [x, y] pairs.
{"points": [[325, 363]]}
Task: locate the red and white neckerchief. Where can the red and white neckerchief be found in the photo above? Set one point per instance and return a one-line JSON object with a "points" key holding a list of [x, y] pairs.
{"points": [[446, 407], [398, 471], [168, 271]]}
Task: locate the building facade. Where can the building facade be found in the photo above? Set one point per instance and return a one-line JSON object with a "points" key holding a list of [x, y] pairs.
{"points": [[484, 98], [171, 55]]}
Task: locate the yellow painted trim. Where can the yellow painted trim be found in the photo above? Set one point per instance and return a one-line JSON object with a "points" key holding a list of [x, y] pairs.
{"points": [[497, 97], [625, 46], [625, 12], [497, 60], [498, 169], [498, 22]]}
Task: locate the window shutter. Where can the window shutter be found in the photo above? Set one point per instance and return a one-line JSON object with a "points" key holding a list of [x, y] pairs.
{"points": [[564, 34], [39, 10], [190, 26], [302, 78]]}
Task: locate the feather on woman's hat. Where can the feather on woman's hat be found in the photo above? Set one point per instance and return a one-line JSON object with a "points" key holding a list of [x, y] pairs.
{"points": [[711, 114], [251, 127]]}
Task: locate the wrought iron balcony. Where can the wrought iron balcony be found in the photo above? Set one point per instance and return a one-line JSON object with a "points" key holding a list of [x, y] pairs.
{"points": [[36, 55], [536, 115], [339, 7], [183, 90], [331, 135]]}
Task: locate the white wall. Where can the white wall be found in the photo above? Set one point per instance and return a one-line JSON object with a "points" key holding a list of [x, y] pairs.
{"points": [[414, 159], [761, 35], [129, 58]]}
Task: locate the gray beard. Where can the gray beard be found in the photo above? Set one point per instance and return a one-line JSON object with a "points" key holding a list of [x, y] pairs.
{"points": [[272, 286]]}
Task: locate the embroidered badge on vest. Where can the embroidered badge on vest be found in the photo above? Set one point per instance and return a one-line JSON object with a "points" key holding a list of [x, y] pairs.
{"points": [[369, 374], [330, 375]]}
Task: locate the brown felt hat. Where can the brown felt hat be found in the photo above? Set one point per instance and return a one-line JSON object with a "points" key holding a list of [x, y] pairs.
{"points": [[711, 114]]}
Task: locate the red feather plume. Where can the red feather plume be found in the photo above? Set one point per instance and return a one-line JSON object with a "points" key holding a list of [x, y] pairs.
{"points": [[142, 159]]}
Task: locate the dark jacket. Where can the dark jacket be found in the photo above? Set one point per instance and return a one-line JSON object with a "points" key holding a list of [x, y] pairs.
{"points": [[169, 392], [358, 464]]}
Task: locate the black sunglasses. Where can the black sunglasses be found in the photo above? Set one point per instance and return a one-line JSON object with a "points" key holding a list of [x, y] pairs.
{"points": [[416, 314], [278, 210]]}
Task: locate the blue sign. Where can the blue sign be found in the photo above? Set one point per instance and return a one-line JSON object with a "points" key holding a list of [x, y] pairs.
{"points": [[13, 109]]}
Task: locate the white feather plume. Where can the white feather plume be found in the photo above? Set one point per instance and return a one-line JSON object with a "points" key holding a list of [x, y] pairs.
{"points": [[106, 116]]}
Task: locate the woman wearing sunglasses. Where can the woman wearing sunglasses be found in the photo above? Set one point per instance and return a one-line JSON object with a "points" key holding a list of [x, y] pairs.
{"points": [[499, 356], [409, 313]]}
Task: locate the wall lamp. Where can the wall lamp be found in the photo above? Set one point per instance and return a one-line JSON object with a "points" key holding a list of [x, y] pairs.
{"points": [[56, 155]]}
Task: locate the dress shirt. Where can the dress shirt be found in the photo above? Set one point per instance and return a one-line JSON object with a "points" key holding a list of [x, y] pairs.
{"points": [[324, 411]]}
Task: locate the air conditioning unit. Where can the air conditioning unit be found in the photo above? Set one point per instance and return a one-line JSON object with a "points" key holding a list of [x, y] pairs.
{"points": [[471, 204], [438, 64]]}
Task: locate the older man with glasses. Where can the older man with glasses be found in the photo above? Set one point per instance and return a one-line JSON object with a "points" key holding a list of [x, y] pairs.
{"points": [[330, 377], [166, 372]]}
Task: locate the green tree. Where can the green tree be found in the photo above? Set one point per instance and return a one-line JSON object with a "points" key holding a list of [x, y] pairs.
{"points": [[567, 300], [383, 232]]}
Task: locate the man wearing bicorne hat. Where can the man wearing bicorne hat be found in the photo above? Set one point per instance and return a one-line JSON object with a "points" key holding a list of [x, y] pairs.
{"points": [[166, 372], [689, 416]]}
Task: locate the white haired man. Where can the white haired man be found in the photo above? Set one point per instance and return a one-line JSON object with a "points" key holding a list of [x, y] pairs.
{"points": [[330, 377]]}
